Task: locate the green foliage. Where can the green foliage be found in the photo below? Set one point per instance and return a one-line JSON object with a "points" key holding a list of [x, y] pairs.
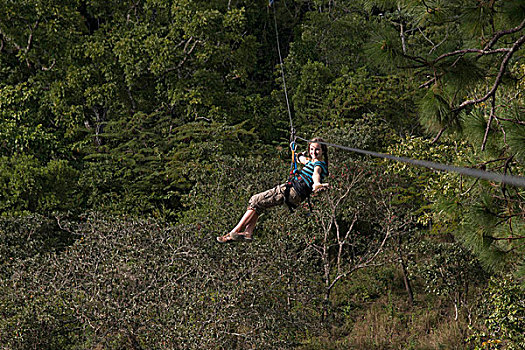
{"points": [[147, 163], [503, 309], [468, 209], [426, 186], [175, 110], [489, 232], [384, 48], [122, 71], [356, 94], [439, 41], [310, 93], [24, 237], [332, 36], [448, 269], [140, 282], [27, 185], [435, 111], [23, 128]]}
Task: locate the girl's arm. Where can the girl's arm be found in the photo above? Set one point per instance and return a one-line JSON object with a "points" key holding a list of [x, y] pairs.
{"points": [[317, 179]]}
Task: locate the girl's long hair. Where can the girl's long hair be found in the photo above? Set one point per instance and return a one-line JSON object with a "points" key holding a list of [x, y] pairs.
{"points": [[324, 148]]}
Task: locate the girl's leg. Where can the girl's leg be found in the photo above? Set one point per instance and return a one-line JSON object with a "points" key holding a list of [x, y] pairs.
{"points": [[246, 225], [250, 225], [245, 220]]}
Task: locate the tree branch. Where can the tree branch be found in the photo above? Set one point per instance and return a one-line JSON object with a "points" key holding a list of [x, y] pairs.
{"points": [[9, 39], [511, 120], [186, 53], [487, 129], [30, 39], [506, 238], [497, 82], [439, 134], [465, 51], [50, 67], [428, 83], [501, 33]]}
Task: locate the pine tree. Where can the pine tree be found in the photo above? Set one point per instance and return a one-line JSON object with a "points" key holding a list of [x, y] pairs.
{"points": [[467, 57]]}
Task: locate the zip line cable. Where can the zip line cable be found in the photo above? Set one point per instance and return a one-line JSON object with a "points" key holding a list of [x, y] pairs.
{"points": [[282, 70], [481, 174]]}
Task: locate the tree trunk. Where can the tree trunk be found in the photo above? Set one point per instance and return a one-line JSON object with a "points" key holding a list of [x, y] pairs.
{"points": [[406, 279]]}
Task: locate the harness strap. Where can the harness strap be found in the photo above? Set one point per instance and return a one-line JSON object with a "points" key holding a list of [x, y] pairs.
{"points": [[287, 188], [292, 178], [293, 147], [289, 185], [293, 170]]}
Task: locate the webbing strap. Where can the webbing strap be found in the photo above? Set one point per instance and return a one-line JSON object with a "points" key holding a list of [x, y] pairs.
{"points": [[480, 174], [293, 147]]}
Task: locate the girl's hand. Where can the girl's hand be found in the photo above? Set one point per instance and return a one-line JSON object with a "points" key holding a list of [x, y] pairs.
{"points": [[305, 158], [320, 187]]}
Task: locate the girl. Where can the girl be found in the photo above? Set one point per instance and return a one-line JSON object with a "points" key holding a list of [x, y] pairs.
{"points": [[292, 193]]}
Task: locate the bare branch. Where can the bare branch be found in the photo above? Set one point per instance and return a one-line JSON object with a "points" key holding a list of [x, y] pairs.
{"points": [[30, 39], [511, 120], [367, 263], [428, 83], [503, 131], [497, 82], [466, 51], [354, 220], [487, 129], [507, 238], [186, 53], [499, 34], [427, 39], [438, 136], [50, 67], [403, 40]]}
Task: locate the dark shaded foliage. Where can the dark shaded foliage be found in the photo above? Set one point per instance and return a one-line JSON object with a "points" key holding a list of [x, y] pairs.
{"points": [[137, 283]]}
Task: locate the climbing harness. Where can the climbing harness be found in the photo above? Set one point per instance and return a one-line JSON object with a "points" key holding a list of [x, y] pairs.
{"points": [[291, 176], [296, 181]]}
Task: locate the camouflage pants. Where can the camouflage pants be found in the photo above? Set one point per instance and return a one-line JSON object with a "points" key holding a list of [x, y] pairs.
{"points": [[272, 198]]}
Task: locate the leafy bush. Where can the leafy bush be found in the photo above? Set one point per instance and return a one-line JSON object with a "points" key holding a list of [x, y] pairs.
{"points": [[28, 186], [502, 307], [24, 237], [129, 281]]}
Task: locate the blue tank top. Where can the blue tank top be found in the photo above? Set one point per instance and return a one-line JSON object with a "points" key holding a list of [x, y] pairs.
{"points": [[308, 171]]}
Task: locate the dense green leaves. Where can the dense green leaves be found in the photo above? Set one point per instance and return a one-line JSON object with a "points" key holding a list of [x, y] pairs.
{"points": [[503, 308], [28, 186], [144, 283], [176, 110]]}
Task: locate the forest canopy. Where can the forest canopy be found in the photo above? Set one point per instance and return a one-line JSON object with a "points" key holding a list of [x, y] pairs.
{"points": [[132, 133]]}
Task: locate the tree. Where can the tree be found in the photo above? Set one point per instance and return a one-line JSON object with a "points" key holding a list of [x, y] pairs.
{"points": [[489, 37], [467, 55], [125, 82], [138, 283], [353, 226]]}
